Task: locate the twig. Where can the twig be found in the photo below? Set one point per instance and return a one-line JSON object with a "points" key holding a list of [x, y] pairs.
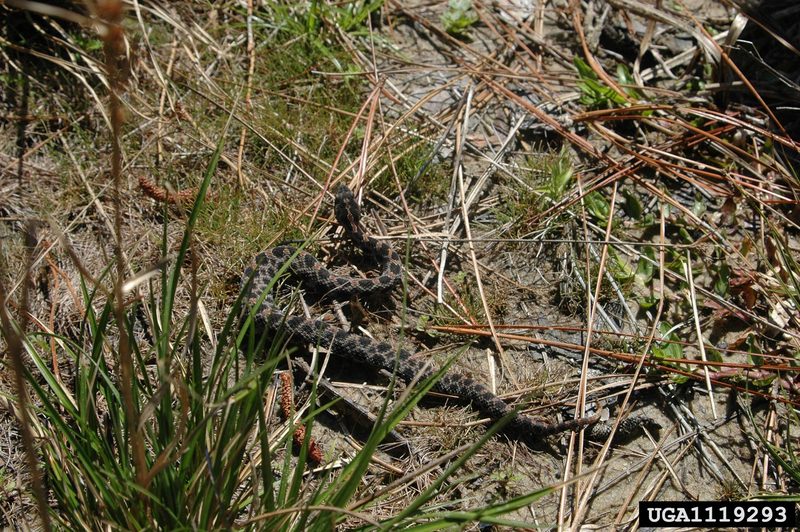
{"points": [[700, 343], [468, 232], [248, 104]]}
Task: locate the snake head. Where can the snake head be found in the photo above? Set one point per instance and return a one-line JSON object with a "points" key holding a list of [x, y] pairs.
{"points": [[347, 211]]}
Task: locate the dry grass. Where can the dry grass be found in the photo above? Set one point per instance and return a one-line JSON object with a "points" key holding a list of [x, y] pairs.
{"points": [[631, 217]]}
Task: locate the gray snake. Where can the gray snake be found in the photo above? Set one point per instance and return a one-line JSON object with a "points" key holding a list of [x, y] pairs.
{"points": [[305, 268]]}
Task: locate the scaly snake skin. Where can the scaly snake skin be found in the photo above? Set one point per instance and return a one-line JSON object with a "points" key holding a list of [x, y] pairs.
{"points": [[312, 274]]}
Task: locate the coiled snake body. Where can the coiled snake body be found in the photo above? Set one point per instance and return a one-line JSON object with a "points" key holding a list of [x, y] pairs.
{"points": [[309, 271]]}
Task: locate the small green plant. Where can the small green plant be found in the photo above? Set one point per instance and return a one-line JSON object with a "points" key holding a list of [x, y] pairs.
{"points": [[632, 205], [351, 16], [594, 94], [628, 83], [347, 16], [316, 25], [670, 347], [597, 205], [544, 183], [423, 181], [721, 273], [561, 175], [459, 17], [619, 268]]}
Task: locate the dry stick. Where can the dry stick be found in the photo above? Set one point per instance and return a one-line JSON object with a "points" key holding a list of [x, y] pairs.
{"points": [[700, 343], [249, 88], [470, 199], [162, 100], [700, 135], [583, 504], [402, 99], [452, 41], [644, 46], [705, 292], [538, 36], [475, 330], [769, 425], [721, 457], [473, 257], [535, 37], [433, 93], [484, 59], [669, 18], [710, 114], [410, 216], [727, 351], [15, 351], [448, 213], [670, 473], [405, 206], [413, 222], [329, 178], [411, 110], [592, 301], [662, 365], [687, 212], [437, 148], [659, 164], [365, 144], [671, 169], [692, 426], [114, 45], [541, 85]]}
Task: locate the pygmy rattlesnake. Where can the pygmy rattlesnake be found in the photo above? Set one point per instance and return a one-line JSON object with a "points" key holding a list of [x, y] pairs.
{"points": [[306, 269]]}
